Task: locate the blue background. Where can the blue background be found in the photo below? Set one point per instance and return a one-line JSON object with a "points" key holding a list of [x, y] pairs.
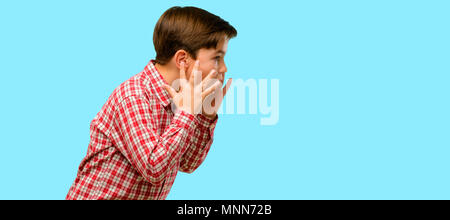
{"points": [[364, 96]]}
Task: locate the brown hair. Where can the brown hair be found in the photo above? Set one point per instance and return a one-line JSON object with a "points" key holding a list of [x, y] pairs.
{"points": [[189, 29]]}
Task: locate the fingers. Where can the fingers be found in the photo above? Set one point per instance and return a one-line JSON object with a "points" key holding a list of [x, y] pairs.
{"points": [[182, 74], [211, 75], [170, 90], [215, 86], [211, 89], [210, 79], [218, 101], [227, 86], [194, 72], [196, 65]]}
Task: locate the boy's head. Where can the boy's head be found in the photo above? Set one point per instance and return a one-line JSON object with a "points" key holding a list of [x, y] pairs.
{"points": [[185, 34]]}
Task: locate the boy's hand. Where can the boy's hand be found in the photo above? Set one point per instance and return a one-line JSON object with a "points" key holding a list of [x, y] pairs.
{"points": [[191, 94], [213, 101]]}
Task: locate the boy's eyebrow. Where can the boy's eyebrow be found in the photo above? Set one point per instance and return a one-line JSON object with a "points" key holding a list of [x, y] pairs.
{"points": [[220, 51]]}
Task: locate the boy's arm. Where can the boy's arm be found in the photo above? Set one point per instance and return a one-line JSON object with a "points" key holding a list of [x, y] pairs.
{"points": [[151, 155], [200, 144]]}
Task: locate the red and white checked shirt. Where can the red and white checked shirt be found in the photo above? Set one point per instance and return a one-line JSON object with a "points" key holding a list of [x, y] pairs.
{"points": [[138, 144]]}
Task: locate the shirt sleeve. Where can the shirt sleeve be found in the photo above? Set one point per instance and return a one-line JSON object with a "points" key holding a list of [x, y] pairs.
{"points": [[199, 145], [152, 155]]}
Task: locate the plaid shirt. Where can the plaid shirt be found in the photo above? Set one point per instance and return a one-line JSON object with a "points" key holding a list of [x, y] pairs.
{"points": [[138, 144]]}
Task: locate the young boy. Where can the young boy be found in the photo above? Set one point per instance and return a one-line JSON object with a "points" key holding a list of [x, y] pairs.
{"points": [[139, 140]]}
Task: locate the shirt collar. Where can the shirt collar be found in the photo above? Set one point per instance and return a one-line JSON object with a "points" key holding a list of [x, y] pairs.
{"points": [[156, 83]]}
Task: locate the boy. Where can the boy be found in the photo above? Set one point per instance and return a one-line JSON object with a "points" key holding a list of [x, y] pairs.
{"points": [[138, 141]]}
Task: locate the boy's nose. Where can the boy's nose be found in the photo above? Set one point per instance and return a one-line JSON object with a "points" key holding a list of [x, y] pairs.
{"points": [[223, 69]]}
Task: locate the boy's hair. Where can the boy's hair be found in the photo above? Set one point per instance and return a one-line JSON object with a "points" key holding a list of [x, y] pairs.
{"points": [[189, 29]]}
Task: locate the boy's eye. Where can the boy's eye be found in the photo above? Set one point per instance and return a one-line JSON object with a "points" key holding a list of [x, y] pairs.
{"points": [[217, 58]]}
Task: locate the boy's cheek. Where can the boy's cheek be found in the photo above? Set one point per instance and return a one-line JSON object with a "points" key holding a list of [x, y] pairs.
{"points": [[205, 71]]}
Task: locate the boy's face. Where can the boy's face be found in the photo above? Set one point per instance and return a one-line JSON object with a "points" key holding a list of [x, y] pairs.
{"points": [[212, 58]]}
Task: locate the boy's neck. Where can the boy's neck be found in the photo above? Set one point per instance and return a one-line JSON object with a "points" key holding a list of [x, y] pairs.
{"points": [[168, 72]]}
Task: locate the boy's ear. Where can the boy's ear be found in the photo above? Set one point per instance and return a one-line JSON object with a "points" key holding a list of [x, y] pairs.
{"points": [[181, 56]]}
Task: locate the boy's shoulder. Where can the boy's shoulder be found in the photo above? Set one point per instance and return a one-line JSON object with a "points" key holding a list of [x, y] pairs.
{"points": [[136, 86]]}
